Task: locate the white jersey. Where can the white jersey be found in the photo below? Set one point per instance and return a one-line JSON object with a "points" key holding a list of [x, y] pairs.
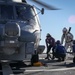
{"points": [[67, 39]]}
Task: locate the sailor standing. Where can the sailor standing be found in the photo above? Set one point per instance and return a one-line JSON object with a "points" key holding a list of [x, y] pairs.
{"points": [[67, 38]]}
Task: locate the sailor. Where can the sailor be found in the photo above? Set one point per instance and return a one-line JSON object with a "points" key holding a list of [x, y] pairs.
{"points": [[50, 44], [60, 51], [67, 37]]}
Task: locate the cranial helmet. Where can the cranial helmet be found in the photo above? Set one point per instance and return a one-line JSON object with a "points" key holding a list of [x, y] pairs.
{"points": [[64, 29], [58, 42], [48, 35]]}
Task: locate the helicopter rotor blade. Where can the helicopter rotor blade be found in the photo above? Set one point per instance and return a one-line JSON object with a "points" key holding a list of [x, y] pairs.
{"points": [[45, 5]]}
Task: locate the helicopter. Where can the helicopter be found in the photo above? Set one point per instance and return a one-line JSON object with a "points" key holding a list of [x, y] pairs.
{"points": [[20, 29]]}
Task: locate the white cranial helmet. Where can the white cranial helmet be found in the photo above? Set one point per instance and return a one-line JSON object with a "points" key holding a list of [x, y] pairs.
{"points": [[64, 30]]}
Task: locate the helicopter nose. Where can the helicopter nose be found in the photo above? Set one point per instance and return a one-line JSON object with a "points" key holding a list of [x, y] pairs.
{"points": [[12, 29]]}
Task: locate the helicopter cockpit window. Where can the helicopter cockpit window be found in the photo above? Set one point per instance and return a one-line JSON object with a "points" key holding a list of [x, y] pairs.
{"points": [[24, 12], [6, 12]]}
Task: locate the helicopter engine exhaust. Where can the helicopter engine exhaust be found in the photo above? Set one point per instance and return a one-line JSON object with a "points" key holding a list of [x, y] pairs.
{"points": [[12, 32]]}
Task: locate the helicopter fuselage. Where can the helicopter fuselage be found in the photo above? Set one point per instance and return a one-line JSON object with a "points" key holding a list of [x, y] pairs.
{"points": [[19, 30]]}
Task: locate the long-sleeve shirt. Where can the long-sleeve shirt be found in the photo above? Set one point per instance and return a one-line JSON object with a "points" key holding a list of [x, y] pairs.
{"points": [[50, 41], [68, 37], [60, 49]]}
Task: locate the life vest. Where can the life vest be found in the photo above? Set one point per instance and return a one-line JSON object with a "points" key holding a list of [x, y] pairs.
{"points": [[68, 37], [50, 41]]}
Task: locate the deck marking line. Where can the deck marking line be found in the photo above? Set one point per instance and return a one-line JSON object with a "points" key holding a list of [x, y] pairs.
{"points": [[52, 70]]}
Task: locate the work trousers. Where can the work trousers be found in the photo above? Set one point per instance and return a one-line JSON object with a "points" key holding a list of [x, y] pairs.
{"points": [[49, 49]]}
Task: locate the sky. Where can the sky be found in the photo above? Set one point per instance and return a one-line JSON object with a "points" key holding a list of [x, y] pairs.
{"points": [[53, 21]]}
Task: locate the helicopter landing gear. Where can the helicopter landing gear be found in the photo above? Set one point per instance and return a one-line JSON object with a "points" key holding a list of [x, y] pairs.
{"points": [[34, 59]]}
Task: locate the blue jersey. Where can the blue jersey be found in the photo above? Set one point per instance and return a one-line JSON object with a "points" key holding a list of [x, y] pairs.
{"points": [[60, 49]]}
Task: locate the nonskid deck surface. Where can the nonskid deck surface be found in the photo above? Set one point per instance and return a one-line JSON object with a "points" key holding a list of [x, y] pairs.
{"points": [[11, 68], [53, 67]]}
